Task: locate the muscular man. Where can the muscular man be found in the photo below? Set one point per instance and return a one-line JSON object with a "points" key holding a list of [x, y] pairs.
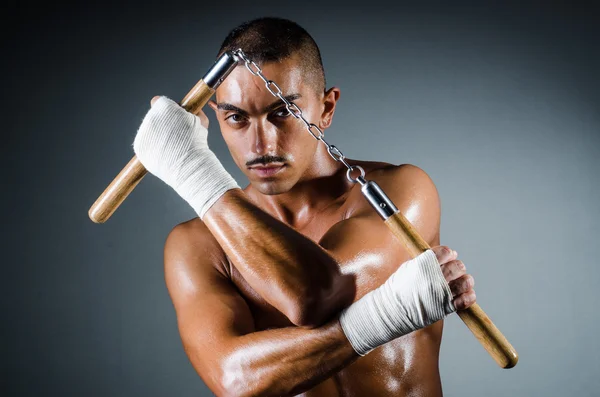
{"points": [[262, 280]]}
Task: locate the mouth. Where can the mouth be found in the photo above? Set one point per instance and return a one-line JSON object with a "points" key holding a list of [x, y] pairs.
{"points": [[268, 170]]}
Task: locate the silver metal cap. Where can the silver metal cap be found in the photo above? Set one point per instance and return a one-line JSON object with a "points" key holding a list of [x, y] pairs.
{"points": [[378, 199], [221, 69]]}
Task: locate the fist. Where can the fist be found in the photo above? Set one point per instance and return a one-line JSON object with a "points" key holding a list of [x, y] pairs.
{"points": [[455, 273], [199, 112], [172, 144], [169, 140]]}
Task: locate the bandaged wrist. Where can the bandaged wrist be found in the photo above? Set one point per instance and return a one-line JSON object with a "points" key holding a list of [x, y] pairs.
{"points": [[413, 297], [172, 144]]}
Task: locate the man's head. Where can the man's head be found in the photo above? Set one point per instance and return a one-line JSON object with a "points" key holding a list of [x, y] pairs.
{"points": [[256, 126]]}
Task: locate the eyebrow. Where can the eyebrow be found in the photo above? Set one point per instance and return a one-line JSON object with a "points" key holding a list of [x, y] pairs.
{"points": [[274, 105]]}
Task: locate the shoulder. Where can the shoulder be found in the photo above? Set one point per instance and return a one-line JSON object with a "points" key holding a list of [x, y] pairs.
{"points": [[408, 179], [190, 247], [400, 180], [405, 172], [413, 192]]}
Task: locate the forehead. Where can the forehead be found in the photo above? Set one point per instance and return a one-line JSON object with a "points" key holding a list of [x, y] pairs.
{"points": [[247, 91]]}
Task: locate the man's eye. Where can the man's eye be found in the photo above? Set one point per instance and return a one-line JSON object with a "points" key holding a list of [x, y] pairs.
{"points": [[283, 112], [236, 118]]}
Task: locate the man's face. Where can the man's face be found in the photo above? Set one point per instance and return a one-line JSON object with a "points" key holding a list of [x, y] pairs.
{"points": [[271, 147]]}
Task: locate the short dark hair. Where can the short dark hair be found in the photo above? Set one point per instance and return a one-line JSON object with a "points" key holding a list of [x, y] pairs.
{"points": [[270, 39]]}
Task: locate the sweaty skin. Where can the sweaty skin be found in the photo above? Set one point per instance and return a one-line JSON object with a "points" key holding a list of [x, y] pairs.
{"points": [[259, 283]]}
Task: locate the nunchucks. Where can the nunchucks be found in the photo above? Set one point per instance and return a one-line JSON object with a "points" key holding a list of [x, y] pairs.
{"points": [[474, 317]]}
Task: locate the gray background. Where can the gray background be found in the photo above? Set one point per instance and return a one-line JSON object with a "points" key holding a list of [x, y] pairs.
{"points": [[499, 104]]}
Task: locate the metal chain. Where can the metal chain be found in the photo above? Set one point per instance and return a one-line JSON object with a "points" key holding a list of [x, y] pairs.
{"points": [[296, 112]]}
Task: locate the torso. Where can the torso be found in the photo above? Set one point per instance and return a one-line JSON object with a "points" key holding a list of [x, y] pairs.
{"points": [[407, 366]]}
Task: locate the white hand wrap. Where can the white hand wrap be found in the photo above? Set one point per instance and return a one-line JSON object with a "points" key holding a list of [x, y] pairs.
{"points": [[415, 296], [172, 144]]}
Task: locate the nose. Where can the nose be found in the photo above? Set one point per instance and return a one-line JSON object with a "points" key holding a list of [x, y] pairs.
{"points": [[262, 139]]}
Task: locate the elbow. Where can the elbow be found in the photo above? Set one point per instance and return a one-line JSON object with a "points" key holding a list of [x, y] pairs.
{"points": [[305, 317], [227, 389], [232, 384], [234, 391], [304, 308], [313, 311], [316, 306], [237, 380]]}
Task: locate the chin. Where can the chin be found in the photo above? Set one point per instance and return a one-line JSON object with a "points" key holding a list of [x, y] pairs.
{"points": [[271, 188]]}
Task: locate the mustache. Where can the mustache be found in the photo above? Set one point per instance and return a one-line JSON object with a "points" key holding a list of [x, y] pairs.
{"points": [[264, 160]]}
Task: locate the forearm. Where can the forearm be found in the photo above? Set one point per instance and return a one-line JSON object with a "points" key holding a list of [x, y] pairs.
{"points": [[290, 271], [285, 361], [288, 361]]}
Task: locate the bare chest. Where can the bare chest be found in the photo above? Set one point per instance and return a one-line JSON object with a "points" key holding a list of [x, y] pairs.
{"points": [[405, 366]]}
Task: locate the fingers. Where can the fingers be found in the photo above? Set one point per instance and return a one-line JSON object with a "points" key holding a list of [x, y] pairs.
{"points": [[465, 300], [455, 272], [444, 254], [461, 285], [154, 99], [453, 269]]}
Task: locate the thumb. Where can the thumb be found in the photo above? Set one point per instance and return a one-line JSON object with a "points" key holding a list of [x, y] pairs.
{"points": [[154, 99]]}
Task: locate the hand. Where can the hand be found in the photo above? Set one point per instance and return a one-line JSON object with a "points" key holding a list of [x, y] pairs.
{"points": [[172, 144], [455, 273], [167, 138], [420, 292], [200, 113]]}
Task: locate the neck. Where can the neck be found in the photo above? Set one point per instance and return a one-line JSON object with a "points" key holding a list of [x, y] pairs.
{"points": [[322, 184]]}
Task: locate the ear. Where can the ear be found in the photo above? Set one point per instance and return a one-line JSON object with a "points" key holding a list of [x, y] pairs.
{"points": [[330, 99]]}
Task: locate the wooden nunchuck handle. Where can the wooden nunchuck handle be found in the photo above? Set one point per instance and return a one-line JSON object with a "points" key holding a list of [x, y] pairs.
{"points": [[474, 317], [134, 171]]}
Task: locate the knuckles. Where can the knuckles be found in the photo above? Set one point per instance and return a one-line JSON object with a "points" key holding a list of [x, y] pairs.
{"points": [[465, 300], [444, 253], [453, 270], [462, 284], [470, 281]]}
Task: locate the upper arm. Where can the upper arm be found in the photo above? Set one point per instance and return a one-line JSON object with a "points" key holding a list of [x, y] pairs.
{"points": [[210, 311], [363, 242]]}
